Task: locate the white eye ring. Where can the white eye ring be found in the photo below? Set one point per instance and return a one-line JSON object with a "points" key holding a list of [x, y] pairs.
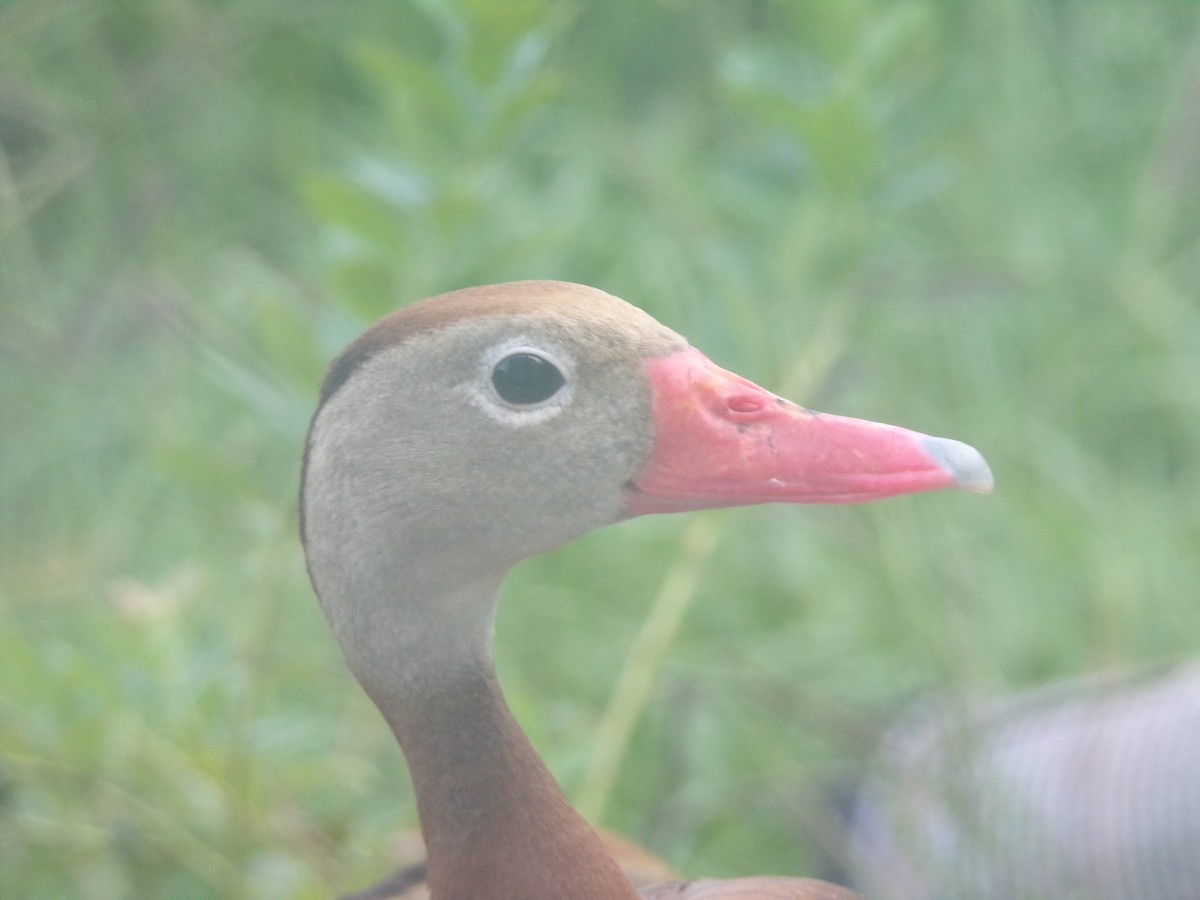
{"points": [[483, 394]]}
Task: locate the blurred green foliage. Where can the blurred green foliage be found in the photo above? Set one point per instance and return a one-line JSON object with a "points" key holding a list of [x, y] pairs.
{"points": [[978, 220]]}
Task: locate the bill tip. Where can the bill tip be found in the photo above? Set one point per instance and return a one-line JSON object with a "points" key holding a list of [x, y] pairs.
{"points": [[963, 462]]}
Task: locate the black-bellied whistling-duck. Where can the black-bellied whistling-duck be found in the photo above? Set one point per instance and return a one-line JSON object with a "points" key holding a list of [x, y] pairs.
{"points": [[461, 435]]}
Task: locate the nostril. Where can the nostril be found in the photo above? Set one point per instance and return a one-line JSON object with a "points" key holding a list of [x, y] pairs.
{"points": [[744, 404]]}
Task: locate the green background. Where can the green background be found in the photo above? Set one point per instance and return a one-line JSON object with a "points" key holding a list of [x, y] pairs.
{"points": [[979, 220]]}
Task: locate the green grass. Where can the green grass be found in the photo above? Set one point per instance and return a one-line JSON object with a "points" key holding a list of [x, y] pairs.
{"points": [[977, 220]]}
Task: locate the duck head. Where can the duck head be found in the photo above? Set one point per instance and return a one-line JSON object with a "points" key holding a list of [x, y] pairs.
{"points": [[460, 435]]}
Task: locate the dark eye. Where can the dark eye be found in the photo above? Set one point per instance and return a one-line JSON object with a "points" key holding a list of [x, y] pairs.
{"points": [[525, 378]]}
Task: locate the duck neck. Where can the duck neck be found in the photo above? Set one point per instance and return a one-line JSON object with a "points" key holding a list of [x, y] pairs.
{"points": [[495, 822]]}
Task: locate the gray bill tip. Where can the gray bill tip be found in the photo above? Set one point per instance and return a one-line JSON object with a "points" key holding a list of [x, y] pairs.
{"points": [[963, 462]]}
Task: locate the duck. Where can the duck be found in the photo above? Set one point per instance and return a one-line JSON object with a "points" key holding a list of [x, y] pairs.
{"points": [[460, 435]]}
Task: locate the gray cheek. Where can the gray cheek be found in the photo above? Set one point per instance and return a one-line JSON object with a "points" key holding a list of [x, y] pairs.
{"points": [[624, 406]]}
